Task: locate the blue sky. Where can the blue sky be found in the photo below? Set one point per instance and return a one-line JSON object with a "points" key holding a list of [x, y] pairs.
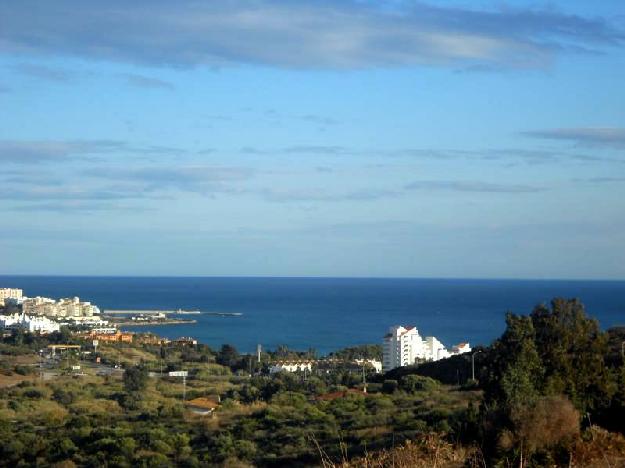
{"points": [[343, 138]]}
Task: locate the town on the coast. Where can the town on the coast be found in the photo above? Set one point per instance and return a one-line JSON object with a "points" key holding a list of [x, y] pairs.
{"points": [[70, 376], [402, 346]]}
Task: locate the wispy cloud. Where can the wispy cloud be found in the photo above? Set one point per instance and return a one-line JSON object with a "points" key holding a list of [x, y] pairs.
{"points": [[43, 72], [318, 119], [140, 81], [315, 149], [70, 206], [610, 137], [472, 186], [601, 180], [46, 193], [41, 151], [504, 155], [110, 188], [322, 195], [332, 150], [199, 179], [38, 151], [299, 34]]}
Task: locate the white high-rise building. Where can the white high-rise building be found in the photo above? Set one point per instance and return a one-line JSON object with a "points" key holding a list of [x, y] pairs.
{"points": [[404, 347], [435, 349]]}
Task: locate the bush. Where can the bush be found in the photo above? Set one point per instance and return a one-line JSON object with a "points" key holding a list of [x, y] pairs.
{"points": [[23, 370], [34, 393], [390, 386], [135, 379], [417, 383]]}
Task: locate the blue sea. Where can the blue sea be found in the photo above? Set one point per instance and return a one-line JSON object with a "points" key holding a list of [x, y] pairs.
{"points": [[329, 313]]}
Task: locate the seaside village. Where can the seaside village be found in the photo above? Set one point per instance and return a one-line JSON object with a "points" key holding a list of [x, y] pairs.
{"points": [[402, 346]]}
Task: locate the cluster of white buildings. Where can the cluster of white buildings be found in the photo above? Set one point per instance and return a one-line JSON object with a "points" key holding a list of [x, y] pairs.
{"points": [[67, 307], [29, 323], [45, 315], [10, 294], [309, 364], [44, 306], [404, 346]]}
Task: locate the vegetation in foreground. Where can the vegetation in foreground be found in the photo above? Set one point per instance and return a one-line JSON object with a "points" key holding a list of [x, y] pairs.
{"points": [[549, 392]]}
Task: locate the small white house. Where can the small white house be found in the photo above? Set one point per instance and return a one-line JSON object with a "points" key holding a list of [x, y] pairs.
{"points": [[290, 366], [461, 348], [377, 365]]}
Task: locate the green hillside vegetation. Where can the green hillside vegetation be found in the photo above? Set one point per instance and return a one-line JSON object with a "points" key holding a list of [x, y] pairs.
{"points": [[549, 392]]}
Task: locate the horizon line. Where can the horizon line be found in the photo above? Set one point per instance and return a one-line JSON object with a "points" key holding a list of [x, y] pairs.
{"points": [[319, 277]]}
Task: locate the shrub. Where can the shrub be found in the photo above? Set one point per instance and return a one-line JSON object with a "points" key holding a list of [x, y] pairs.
{"points": [[417, 383], [389, 386]]}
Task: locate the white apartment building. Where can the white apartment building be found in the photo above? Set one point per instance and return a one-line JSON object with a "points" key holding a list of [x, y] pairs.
{"points": [[10, 293], [435, 350], [68, 307], [28, 323], [404, 346]]}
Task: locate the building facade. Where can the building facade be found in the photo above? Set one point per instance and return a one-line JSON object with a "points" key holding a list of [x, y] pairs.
{"points": [[29, 323], [10, 293], [68, 307], [291, 366], [404, 346]]}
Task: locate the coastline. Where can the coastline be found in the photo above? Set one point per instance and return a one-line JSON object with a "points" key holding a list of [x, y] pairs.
{"points": [[144, 324]]}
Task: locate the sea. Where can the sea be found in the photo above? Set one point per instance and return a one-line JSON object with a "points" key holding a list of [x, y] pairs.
{"points": [[327, 314]]}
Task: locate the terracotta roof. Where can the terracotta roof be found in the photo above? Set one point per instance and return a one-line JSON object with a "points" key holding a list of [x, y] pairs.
{"points": [[203, 403], [343, 394]]}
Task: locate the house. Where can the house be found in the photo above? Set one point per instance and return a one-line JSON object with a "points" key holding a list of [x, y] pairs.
{"points": [[41, 325], [374, 363], [202, 406], [461, 348], [117, 337], [185, 341], [291, 366]]}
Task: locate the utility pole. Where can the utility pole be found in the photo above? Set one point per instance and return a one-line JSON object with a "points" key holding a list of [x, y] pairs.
{"points": [[473, 365], [364, 378], [182, 374]]}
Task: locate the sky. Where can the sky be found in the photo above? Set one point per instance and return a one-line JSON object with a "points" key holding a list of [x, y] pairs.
{"points": [[457, 139]]}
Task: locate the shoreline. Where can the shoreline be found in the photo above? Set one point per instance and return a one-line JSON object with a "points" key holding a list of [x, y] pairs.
{"points": [[143, 324]]}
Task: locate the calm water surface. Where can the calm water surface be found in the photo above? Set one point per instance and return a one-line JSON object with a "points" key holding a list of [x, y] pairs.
{"points": [[330, 313]]}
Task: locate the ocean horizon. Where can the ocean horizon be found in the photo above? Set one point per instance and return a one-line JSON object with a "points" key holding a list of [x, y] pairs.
{"points": [[329, 313]]}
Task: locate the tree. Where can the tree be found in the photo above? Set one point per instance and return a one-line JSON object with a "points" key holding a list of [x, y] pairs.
{"points": [[228, 356], [135, 378], [546, 423], [573, 349], [515, 370]]}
